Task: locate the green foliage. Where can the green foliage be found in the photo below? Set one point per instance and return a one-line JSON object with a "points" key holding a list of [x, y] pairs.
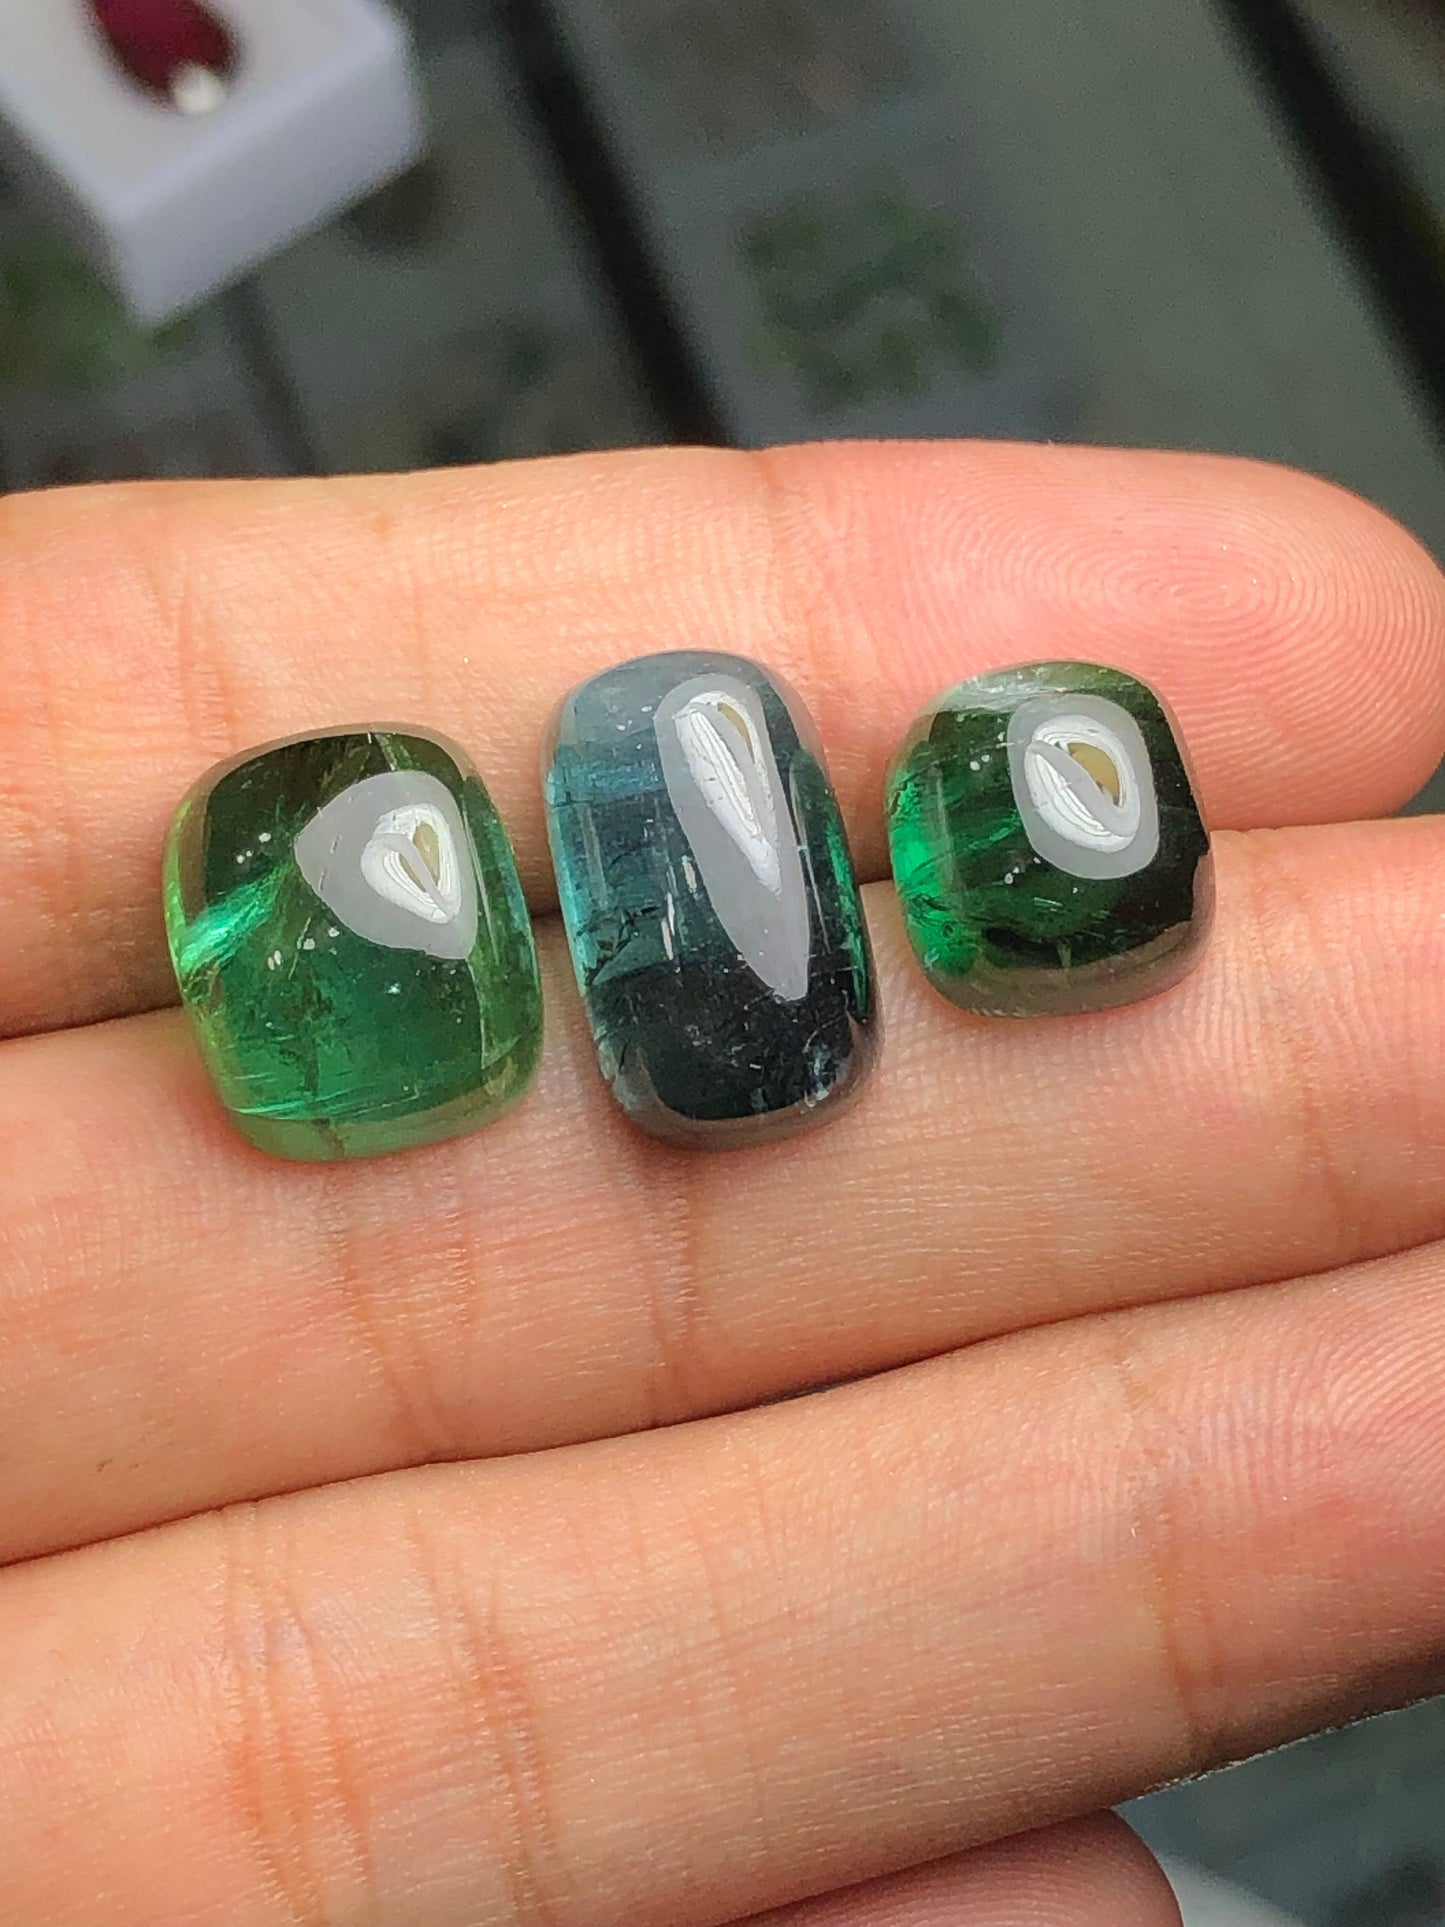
{"points": [[62, 331]]}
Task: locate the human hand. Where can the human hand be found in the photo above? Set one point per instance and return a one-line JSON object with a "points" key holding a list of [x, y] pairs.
{"points": [[361, 1565]]}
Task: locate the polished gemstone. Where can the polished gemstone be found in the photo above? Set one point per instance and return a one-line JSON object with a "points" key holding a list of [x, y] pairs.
{"points": [[351, 942], [1047, 846], [178, 49], [709, 899]]}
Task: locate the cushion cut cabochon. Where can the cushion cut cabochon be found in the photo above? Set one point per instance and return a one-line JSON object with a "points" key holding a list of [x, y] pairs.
{"points": [[1048, 849], [709, 899], [351, 941]]}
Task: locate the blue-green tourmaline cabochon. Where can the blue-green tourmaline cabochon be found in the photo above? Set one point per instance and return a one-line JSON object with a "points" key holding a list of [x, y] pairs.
{"points": [[352, 944], [1048, 849], [710, 900]]}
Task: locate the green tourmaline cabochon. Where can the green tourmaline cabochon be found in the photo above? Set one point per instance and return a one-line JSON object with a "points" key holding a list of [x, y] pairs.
{"points": [[351, 941], [1049, 853]]}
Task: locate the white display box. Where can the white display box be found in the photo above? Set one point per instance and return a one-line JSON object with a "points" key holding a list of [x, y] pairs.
{"points": [[323, 108]]}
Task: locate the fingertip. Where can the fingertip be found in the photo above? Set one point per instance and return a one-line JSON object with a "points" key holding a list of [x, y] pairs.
{"points": [[1346, 683], [1297, 631]]}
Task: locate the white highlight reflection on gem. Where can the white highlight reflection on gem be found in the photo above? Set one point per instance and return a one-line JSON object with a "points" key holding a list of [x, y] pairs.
{"points": [[395, 866], [1084, 784], [723, 749], [391, 860], [723, 782], [1069, 797]]}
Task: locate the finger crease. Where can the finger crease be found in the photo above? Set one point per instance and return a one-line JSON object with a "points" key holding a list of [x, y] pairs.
{"points": [[1159, 1471], [671, 1269], [502, 1717], [812, 597], [1286, 928], [357, 1281], [280, 1704]]}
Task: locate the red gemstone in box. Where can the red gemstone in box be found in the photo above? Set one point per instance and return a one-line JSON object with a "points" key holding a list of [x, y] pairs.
{"points": [[177, 49]]}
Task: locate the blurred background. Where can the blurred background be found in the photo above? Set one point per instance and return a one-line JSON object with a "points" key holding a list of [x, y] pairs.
{"points": [[1213, 224]]}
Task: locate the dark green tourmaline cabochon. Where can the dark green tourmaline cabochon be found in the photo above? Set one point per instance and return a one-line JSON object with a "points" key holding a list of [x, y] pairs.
{"points": [[352, 944], [710, 900], [1048, 849]]}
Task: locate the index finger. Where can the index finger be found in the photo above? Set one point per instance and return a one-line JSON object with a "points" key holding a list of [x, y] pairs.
{"points": [[147, 631]]}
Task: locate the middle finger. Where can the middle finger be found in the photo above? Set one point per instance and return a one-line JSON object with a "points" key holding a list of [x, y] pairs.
{"points": [[185, 1322]]}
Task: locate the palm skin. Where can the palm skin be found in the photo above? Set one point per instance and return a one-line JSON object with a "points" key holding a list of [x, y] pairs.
{"points": [[435, 1542]]}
